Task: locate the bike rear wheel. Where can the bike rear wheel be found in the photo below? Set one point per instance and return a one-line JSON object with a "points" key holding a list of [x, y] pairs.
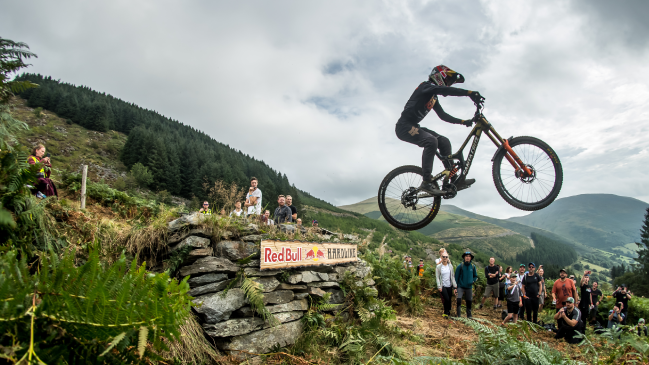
{"points": [[533, 192], [400, 202]]}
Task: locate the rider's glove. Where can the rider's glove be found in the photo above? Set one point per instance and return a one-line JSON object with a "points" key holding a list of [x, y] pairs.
{"points": [[476, 97], [468, 122]]}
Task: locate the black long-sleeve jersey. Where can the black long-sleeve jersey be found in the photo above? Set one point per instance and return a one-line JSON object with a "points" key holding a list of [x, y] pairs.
{"points": [[424, 98]]}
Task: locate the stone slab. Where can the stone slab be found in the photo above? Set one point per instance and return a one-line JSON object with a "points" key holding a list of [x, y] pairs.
{"points": [[324, 284], [254, 271], [242, 326], [263, 341], [181, 235], [235, 250], [217, 307], [206, 279], [285, 286], [192, 241], [209, 265], [209, 288], [296, 305]]}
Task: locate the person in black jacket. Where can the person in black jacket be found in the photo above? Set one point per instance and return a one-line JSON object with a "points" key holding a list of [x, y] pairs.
{"points": [[531, 288], [422, 100]]}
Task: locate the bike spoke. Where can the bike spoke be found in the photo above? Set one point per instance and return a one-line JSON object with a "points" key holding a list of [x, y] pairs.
{"points": [[530, 190]]}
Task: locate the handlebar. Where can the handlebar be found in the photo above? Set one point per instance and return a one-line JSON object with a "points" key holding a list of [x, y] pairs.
{"points": [[478, 111]]}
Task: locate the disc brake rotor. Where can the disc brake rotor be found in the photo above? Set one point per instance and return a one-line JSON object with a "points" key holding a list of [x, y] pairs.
{"points": [[409, 198], [520, 174]]}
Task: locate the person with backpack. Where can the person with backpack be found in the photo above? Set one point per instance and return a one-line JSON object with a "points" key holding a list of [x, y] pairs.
{"points": [[446, 282], [514, 300], [530, 287], [466, 275]]}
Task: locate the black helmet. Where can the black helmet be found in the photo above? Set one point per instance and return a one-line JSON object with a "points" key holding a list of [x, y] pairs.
{"points": [[444, 76]]}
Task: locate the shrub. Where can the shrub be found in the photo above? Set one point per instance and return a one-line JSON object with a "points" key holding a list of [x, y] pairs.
{"points": [[38, 112], [141, 174]]}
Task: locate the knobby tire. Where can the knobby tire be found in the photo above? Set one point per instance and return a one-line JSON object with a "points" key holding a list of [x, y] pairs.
{"points": [[549, 175]]}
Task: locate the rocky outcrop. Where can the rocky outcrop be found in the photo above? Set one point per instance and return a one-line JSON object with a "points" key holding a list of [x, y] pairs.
{"points": [[215, 262]]}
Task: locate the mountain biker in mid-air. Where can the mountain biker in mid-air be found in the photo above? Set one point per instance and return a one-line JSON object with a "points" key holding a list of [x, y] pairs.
{"points": [[422, 100]]}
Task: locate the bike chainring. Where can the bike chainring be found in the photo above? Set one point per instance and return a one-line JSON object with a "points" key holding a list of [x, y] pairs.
{"points": [[451, 190], [409, 198], [526, 179]]}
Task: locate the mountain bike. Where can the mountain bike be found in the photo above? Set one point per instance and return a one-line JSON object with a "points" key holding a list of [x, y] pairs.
{"points": [[526, 171]]}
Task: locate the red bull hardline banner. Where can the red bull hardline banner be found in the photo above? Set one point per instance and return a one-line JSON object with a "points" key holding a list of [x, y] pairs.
{"points": [[282, 254]]}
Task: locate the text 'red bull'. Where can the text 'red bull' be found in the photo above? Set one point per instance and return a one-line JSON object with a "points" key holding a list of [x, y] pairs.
{"points": [[285, 255]]}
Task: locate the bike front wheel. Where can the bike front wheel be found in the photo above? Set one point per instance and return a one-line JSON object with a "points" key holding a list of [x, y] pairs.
{"points": [[401, 203], [528, 192]]}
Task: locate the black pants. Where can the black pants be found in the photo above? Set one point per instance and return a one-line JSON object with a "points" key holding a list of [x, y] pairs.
{"points": [[447, 293], [427, 139], [532, 309], [521, 310], [626, 313], [568, 333]]}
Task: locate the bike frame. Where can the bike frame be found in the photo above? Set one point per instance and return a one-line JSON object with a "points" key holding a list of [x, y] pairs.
{"points": [[483, 126]]}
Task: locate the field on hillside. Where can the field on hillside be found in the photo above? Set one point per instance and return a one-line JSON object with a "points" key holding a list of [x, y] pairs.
{"points": [[71, 145]]}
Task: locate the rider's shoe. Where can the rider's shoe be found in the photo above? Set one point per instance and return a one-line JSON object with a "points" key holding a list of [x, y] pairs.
{"points": [[428, 187], [464, 183]]}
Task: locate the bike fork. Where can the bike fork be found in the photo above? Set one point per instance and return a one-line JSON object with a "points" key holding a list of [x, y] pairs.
{"points": [[513, 159]]}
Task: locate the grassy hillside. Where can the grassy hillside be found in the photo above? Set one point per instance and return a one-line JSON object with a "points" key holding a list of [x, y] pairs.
{"points": [[461, 230], [603, 221]]}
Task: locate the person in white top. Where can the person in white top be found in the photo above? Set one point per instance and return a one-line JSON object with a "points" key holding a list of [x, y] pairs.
{"points": [[269, 222], [446, 285], [253, 201], [237, 210], [442, 251]]}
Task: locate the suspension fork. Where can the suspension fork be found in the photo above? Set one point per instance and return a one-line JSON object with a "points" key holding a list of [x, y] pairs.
{"points": [[510, 155]]}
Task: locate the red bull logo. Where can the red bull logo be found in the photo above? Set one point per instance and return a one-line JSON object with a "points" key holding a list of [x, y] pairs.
{"points": [[285, 255], [314, 254]]}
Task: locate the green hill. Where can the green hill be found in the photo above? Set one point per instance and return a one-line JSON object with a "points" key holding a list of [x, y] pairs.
{"points": [[603, 221]]}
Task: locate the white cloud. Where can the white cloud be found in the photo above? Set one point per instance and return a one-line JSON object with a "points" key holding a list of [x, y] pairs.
{"points": [[327, 81]]}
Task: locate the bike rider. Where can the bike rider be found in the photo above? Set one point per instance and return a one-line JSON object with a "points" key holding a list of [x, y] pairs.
{"points": [[422, 100]]}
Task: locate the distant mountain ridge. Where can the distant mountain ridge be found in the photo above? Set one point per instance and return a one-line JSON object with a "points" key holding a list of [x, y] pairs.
{"points": [[601, 221]]}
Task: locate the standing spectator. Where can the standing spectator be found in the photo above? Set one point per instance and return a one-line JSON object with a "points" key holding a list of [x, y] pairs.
{"points": [[267, 220], [206, 208], [491, 272], [253, 202], [572, 277], [283, 212], [569, 321], [501, 285], [514, 299], [421, 267], [508, 274], [314, 223], [299, 222], [595, 295], [584, 292], [531, 289], [446, 282], [465, 275], [622, 295], [543, 291], [615, 315], [45, 187], [441, 253], [563, 289], [521, 274], [222, 213], [237, 209], [289, 203], [407, 263]]}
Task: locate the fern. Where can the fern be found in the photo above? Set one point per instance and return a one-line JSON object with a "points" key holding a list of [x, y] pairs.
{"points": [[141, 341], [255, 295], [90, 304], [113, 343]]}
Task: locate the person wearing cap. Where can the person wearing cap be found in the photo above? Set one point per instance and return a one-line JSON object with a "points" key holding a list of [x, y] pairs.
{"points": [[562, 289], [420, 269], [569, 322], [465, 275], [531, 289], [521, 274], [642, 328], [446, 282], [407, 263], [615, 315], [492, 273], [514, 299]]}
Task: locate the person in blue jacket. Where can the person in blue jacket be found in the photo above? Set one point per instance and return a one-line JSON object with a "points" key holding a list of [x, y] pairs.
{"points": [[465, 275]]}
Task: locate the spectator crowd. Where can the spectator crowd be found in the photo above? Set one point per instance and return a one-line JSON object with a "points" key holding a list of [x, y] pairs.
{"points": [[522, 294]]}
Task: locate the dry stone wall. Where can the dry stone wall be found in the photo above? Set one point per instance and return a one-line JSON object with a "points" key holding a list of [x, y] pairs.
{"points": [[228, 317]]}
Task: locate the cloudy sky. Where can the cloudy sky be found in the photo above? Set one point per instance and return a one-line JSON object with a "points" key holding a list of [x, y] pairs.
{"points": [[327, 80]]}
